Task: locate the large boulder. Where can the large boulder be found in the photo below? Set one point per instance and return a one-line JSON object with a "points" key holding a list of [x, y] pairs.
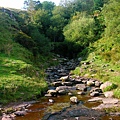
{"points": [[105, 85], [75, 113], [108, 94]]}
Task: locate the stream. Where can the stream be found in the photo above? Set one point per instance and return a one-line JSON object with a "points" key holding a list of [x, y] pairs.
{"points": [[37, 110], [56, 101]]}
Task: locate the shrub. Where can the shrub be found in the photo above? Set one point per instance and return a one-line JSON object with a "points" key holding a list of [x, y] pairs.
{"points": [[25, 40]]}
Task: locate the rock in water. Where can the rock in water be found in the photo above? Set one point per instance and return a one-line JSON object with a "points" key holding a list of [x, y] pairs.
{"points": [[51, 100], [74, 99]]}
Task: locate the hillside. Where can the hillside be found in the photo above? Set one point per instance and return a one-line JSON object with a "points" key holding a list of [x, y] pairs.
{"points": [[102, 58], [22, 74], [29, 40]]}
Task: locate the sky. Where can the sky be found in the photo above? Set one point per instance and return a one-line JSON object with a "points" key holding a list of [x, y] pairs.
{"points": [[18, 4]]}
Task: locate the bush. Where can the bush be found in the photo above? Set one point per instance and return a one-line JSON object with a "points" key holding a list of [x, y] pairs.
{"points": [[26, 41]]}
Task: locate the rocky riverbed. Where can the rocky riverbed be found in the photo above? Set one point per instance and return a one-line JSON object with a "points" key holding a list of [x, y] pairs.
{"points": [[62, 83]]}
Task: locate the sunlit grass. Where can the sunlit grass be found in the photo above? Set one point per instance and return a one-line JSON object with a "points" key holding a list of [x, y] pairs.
{"points": [[104, 65], [19, 80]]}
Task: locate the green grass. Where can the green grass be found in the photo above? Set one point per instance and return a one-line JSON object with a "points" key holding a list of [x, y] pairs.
{"points": [[22, 76], [103, 58], [19, 80]]}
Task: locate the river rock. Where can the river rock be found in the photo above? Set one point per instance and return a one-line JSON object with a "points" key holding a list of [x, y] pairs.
{"points": [[94, 94], [61, 88], [77, 81], [97, 83], [56, 84], [6, 118], [105, 85], [48, 95], [108, 94], [75, 113], [67, 83], [110, 100], [81, 93], [51, 100], [62, 92], [70, 94], [90, 83], [96, 90], [20, 113], [95, 99], [81, 87], [74, 99], [105, 106], [64, 78], [52, 92]]}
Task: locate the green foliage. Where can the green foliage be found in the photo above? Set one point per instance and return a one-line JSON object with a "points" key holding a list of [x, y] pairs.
{"points": [[58, 21], [48, 6], [98, 4], [117, 93], [109, 88], [25, 41], [42, 19], [77, 33], [113, 24], [19, 79]]}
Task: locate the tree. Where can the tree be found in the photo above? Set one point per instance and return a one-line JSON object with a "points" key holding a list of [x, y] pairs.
{"points": [[80, 31], [30, 4], [112, 18], [98, 4], [42, 19], [48, 6], [58, 21]]}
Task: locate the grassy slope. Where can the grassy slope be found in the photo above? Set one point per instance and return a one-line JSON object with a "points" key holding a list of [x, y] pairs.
{"points": [[20, 77], [104, 63]]}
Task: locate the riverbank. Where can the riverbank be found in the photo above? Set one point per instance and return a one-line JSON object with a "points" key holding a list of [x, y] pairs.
{"points": [[63, 86]]}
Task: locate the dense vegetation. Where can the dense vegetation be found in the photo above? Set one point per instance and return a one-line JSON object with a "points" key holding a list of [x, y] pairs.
{"points": [[76, 28]]}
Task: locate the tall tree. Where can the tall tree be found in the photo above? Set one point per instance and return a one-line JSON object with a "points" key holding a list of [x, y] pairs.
{"points": [[30, 4], [111, 13], [80, 31], [42, 19]]}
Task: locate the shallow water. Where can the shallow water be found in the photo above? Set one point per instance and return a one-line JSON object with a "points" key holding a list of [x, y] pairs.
{"points": [[37, 110]]}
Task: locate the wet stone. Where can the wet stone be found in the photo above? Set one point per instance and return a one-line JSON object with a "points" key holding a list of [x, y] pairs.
{"points": [[81, 93], [74, 99], [48, 95], [52, 92], [94, 94], [97, 84], [81, 87], [108, 94], [96, 90], [20, 113], [67, 83], [77, 81], [61, 88], [56, 84], [62, 92]]}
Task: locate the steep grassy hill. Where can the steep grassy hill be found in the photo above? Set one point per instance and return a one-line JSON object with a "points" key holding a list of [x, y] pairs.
{"points": [[22, 75], [102, 58], [102, 61]]}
